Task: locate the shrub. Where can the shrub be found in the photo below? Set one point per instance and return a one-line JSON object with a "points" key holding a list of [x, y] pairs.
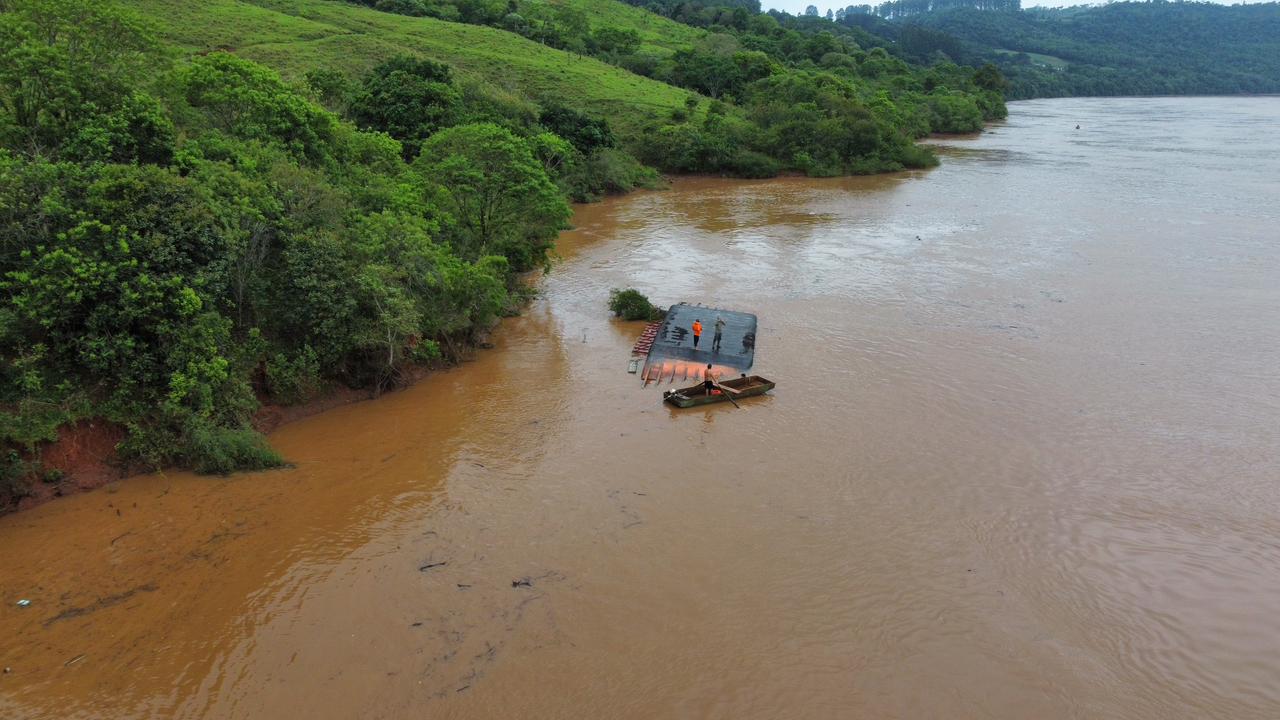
{"points": [[425, 352], [212, 449], [751, 164], [630, 304], [608, 171], [584, 132], [293, 379], [14, 476]]}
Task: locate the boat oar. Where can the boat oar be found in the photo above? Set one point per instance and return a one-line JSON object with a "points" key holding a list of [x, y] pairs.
{"points": [[729, 396]]}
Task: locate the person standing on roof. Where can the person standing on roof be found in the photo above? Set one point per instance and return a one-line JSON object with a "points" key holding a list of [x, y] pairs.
{"points": [[697, 332], [715, 339]]}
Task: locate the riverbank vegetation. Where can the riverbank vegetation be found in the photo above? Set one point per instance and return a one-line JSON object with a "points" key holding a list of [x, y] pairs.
{"points": [[209, 206]]}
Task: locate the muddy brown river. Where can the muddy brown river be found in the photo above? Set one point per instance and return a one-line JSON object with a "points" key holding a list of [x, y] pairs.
{"points": [[1022, 462]]}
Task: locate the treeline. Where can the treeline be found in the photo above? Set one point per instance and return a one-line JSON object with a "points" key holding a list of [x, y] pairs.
{"points": [[785, 95], [182, 241], [1122, 48], [898, 9]]}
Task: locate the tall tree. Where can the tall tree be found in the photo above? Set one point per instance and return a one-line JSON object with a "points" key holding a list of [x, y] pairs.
{"points": [[497, 191]]}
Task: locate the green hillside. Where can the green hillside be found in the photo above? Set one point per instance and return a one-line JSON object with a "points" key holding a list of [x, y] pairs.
{"points": [[295, 36], [847, 109], [656, 32], [1121, 48]]}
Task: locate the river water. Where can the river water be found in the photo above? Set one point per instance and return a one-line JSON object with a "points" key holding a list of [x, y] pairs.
{"points": [[1021, 462]]}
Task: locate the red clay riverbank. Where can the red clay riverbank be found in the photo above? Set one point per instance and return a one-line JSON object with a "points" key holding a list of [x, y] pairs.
{"points": [[84, 456]]}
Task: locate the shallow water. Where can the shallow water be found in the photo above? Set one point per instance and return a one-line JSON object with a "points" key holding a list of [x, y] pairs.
{"points": [[1021, 462]]}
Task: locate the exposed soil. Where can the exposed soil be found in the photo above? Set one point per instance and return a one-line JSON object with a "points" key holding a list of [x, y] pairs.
{"points": [[84, 456]]}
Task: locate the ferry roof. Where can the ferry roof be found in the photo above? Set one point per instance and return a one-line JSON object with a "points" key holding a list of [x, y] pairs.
{"points": [[674, 342]]}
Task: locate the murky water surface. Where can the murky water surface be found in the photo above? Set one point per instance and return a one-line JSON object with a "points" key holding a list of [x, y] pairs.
{"points": [[1021, 463]]}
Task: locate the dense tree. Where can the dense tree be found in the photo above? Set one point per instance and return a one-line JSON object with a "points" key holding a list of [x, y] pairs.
{"points": [[409, 99], [584, 132], [249, 101], [62, 62], [988, 77], [496, 191]]}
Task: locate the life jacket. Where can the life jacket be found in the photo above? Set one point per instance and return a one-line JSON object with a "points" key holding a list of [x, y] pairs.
{"points": [[697, 329]]}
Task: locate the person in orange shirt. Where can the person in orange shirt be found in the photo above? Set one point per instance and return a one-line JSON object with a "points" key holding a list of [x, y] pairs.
{"points": [[697, 333]]}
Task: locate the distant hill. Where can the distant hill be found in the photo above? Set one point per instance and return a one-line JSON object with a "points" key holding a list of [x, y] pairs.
{"points": [[1126, 48]]}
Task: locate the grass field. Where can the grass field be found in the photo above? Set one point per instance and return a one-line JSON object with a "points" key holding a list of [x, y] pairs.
{"points": [[1048, 61], [294, 36], [658, 35]]}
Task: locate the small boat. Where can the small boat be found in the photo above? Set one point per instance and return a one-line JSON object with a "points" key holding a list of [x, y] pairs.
{"points": [[696, 395]]}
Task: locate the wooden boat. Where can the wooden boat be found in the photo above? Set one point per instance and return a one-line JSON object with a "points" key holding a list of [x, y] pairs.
{"points": [[696, 395]]}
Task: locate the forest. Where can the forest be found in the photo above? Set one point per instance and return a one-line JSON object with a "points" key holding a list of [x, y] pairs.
{"points": [[1129, 48], [189, 234], [1118, 48]]}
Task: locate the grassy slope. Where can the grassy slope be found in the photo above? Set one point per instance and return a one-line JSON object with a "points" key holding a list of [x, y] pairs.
{"points": [[294, 36], [1056, 63], [658, 35]]}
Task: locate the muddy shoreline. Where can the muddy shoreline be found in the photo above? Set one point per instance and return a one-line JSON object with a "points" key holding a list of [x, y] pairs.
{"points": [[83, 458]]}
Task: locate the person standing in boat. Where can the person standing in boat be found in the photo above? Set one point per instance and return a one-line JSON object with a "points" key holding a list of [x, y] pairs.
{"points": [[715, 339], [697, 332], [708, 380]]}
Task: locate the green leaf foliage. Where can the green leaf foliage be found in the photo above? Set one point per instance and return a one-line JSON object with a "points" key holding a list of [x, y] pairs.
{"points": [[497, 192], [631, 304], [175, 249], [409, 99]]}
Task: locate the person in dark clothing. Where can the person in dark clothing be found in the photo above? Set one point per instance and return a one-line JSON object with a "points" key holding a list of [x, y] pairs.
{"points": [[715, 339]]}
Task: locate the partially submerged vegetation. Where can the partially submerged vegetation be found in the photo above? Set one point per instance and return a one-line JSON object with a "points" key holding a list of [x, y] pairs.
{"points": [[189, 234], [631, 304]]}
